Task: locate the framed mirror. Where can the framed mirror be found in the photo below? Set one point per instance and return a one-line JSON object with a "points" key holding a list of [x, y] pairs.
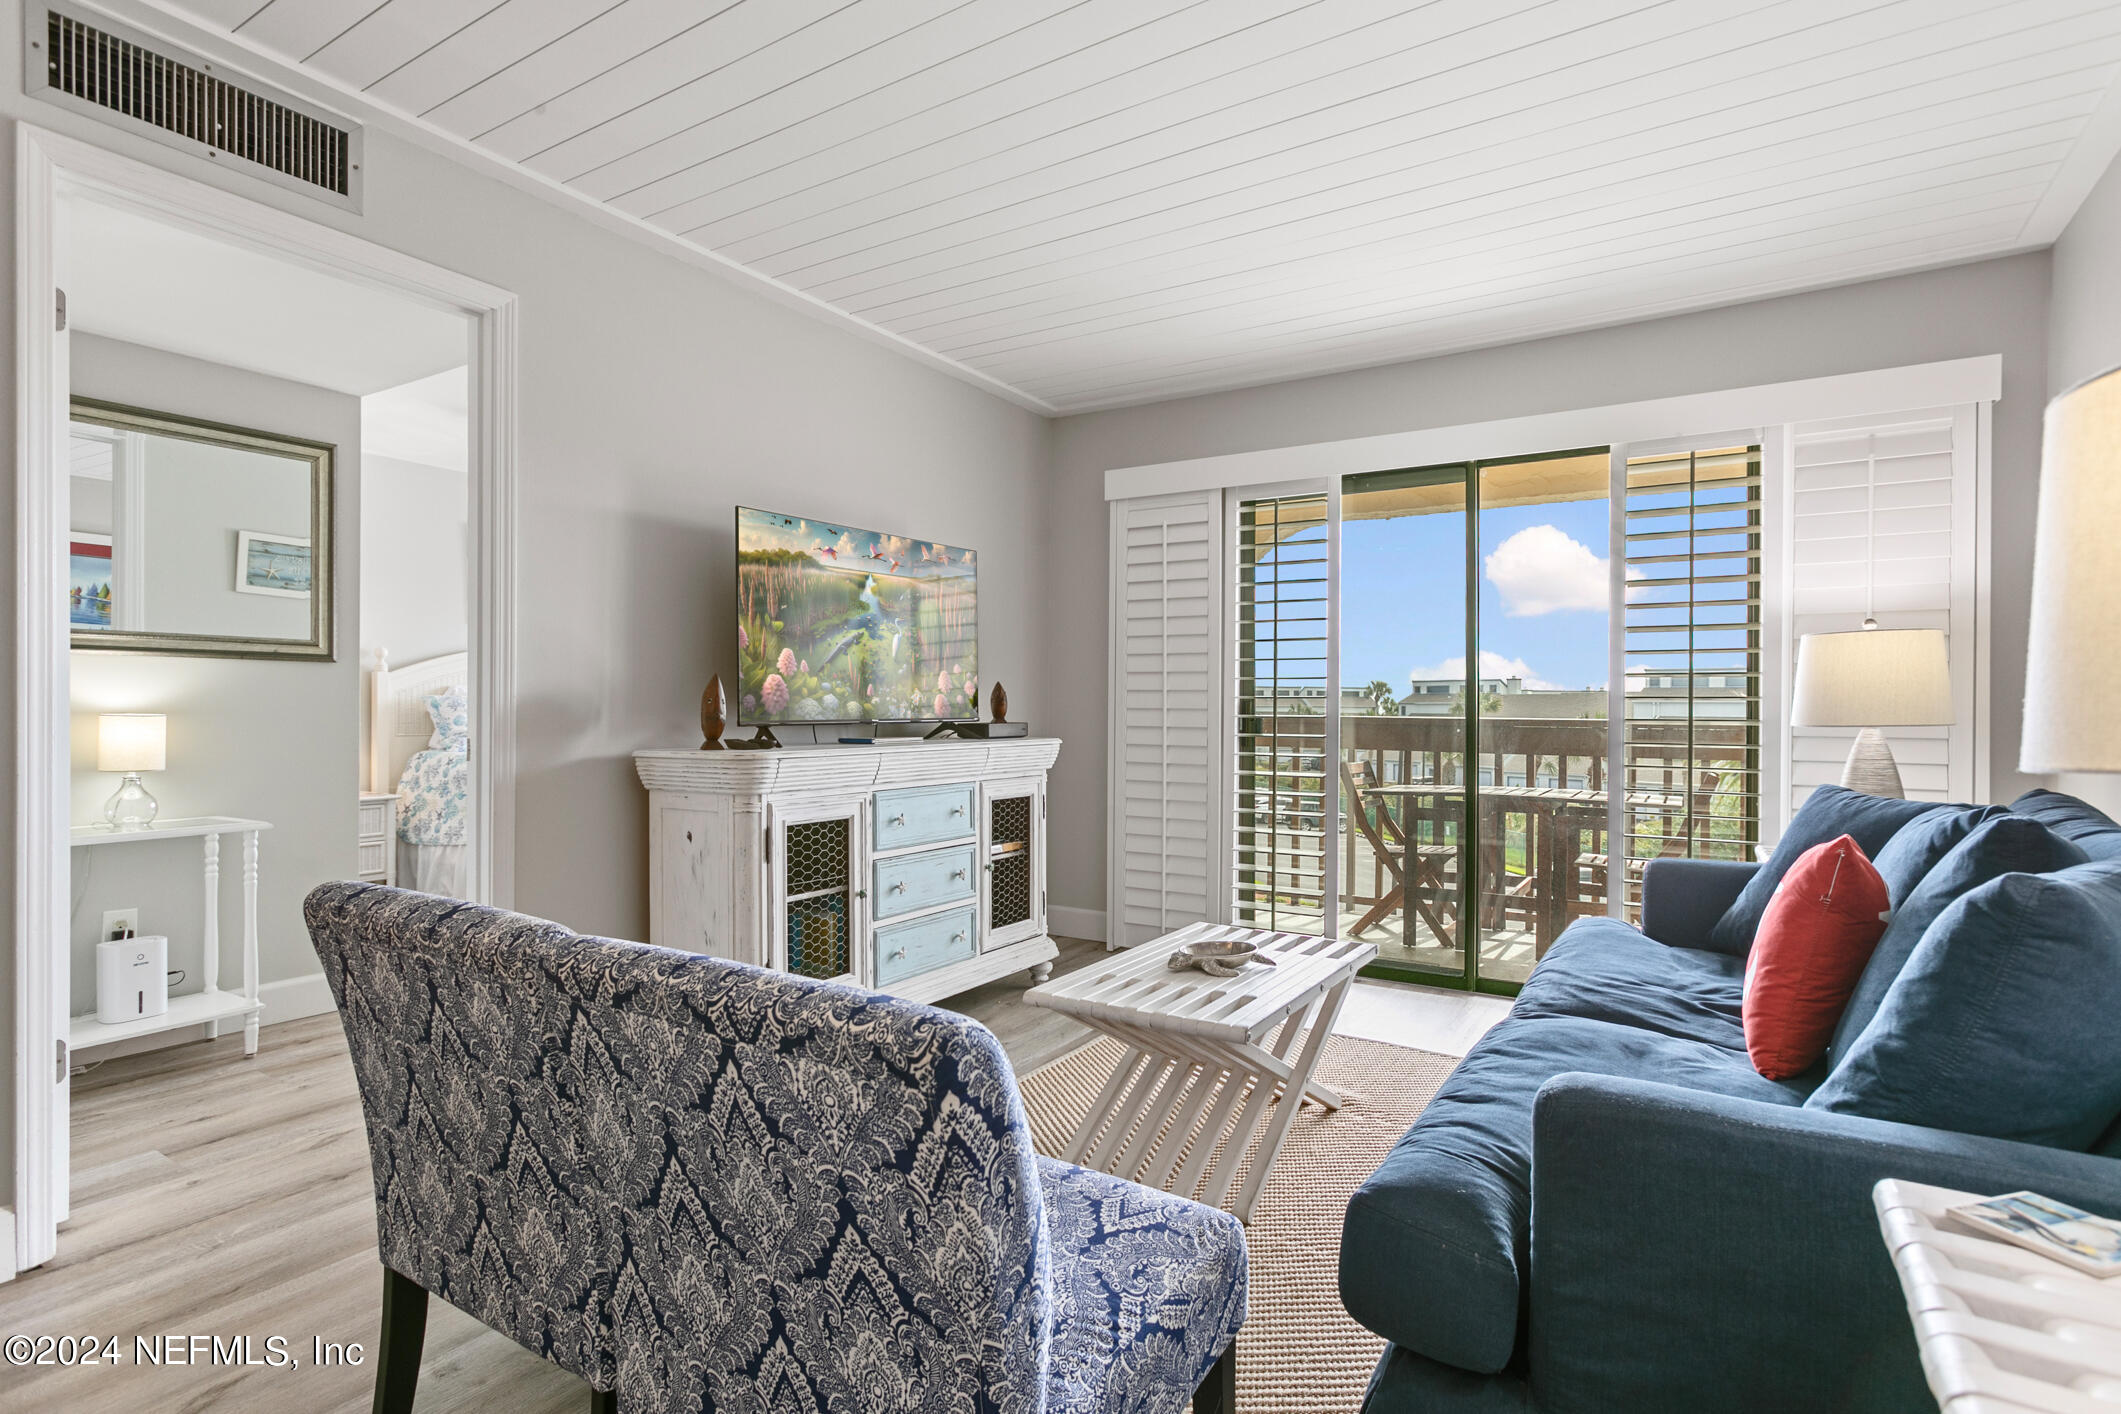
{"points": [[193, 537]]}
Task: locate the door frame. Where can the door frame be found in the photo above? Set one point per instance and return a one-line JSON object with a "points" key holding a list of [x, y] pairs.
{"points": [[49, 168]]}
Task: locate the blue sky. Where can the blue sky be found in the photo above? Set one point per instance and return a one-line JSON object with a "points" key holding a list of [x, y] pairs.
{"points": [[1403, 595]]}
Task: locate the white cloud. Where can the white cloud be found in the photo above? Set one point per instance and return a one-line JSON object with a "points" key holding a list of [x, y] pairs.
{"points": [[1542, 569], [1492, 665]]}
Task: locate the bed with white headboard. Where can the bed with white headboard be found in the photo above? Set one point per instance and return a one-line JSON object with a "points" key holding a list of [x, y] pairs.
{"points": [[399, 729]]}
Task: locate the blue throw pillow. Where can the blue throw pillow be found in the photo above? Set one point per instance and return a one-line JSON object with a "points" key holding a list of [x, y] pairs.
{"points": [[2090, 828], [2001, 843], [1925, 840], [1830, 813], [2002, 1023]]}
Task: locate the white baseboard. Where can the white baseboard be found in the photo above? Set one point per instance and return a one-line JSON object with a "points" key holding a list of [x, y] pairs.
{"points": [[1065, 922], [294, 998]]}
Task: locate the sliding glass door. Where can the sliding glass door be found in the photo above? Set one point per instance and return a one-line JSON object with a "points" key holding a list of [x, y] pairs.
{"points": [[1543, 592], [1474, 609], [1405, 616], [1427, 753]]}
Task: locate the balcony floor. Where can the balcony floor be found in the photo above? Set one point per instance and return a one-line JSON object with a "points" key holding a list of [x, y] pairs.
{"points": [[1505, 956]]}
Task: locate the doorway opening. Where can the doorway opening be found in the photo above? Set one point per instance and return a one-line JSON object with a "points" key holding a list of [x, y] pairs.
{"points": [[191, 429]]}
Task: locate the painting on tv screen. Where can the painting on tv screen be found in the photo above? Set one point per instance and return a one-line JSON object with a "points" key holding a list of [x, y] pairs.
{"points": [[836, 624]]}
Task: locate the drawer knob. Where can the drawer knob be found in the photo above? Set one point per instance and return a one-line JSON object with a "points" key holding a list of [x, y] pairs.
{"points": [[957, 811], [958, 874], [898, 820], [957, 937], [899, 887], [899, 956]]}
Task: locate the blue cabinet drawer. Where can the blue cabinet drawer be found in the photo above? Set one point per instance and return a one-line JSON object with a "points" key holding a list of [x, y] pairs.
{"points": [[908, 883], [923, 944], [923, 815]]}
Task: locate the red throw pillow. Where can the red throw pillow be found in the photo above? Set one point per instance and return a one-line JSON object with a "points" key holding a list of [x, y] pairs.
{"points": [[1819, 929]]}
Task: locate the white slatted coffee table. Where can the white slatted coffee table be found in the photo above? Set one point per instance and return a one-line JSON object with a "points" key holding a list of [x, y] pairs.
{"points": [[1201, 1070], [2002, 1330]]}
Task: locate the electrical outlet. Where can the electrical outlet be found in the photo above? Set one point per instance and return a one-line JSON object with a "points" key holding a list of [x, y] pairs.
{"points": [[117, 922]]}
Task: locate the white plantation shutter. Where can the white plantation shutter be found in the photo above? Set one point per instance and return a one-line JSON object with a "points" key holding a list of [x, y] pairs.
{"points": [[1166, 685], [1285, 712], [1882, 515], [1691, 739]]}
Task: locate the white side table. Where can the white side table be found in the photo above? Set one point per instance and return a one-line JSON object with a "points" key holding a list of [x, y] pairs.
{"points": [[2003, 1330], [1198, 1056], [211, 1005], [376, 838]]}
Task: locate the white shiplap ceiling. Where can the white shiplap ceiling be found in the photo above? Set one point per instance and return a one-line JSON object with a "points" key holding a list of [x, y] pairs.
{"points": [[1098, 202]]}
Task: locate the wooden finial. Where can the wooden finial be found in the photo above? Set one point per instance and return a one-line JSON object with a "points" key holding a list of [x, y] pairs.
{"points": [[714, 715], [998, 704]]}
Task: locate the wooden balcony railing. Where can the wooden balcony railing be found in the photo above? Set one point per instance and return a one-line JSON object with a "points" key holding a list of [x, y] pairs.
{"points": [[1546, 857]]}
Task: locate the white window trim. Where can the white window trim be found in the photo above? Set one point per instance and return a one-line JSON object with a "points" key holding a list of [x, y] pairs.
{"points": [[1633, 429], [1922, 385]]}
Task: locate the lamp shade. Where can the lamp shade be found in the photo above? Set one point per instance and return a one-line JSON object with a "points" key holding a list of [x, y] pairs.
{"points": [[1873, 677], [130, 741], [2072, 665]]}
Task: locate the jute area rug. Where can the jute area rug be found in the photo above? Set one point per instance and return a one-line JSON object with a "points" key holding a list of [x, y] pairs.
{"points": [[1299, 1351]]}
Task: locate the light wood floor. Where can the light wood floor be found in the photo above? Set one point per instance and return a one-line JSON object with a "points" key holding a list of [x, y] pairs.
{"points": [[218, 1196]]}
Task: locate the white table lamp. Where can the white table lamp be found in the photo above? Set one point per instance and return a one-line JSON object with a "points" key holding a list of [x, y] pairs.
{"points": [[2073, 664], [1871, 678], [129, 743]]}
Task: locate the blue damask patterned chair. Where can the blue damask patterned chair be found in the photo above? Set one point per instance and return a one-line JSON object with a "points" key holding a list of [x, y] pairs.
{"points": [[703, 1186]]}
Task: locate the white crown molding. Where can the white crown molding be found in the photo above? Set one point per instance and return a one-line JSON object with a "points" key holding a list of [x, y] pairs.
{"points": [[157, 19], [2089, 158]]}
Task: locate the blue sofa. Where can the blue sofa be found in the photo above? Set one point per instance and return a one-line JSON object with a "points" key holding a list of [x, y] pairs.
{"points": [[1607, 1208]]}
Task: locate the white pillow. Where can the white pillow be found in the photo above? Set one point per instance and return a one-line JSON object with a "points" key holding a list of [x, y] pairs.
{"points": [[450, 710]]}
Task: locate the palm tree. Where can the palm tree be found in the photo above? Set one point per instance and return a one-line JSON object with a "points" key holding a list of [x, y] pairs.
{"points": [[1380, 692]]}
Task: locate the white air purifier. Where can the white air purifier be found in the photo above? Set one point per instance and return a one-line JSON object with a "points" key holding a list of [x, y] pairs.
{"points": [[132, 978]]}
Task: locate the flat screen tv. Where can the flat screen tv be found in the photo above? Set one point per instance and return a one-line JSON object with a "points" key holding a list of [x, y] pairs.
{"points": [[836, 624]]}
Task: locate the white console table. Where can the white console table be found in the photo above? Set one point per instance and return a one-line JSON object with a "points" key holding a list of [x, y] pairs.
{"points": [[915, 868], [209, 1006]]}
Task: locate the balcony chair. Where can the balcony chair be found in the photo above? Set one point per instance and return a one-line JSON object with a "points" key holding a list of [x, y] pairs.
{"points": [[699, 1185], [1392, 848]]}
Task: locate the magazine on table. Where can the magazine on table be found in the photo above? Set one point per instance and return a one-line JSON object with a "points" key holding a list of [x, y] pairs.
{"points": [[2089, 1243]]}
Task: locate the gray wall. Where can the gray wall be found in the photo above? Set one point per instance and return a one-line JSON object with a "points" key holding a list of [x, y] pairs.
{"points": [[197, 501], [2084, 338], [414, 562], [1993, 307], [270, 741], [655, 396]]}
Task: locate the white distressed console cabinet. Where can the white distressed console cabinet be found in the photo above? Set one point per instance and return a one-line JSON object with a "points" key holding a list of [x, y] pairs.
{"points": [[917, 868]]}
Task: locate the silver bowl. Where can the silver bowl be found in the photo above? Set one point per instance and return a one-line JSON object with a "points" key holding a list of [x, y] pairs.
{"points": [[1234, 951]]}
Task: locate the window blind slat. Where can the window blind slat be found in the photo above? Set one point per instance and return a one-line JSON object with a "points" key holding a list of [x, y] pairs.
{"points": [[1691, 734], [1278, 873]]}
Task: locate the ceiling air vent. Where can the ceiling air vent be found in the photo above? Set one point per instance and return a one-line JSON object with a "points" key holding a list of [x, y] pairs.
{"points": [[84, 62]]}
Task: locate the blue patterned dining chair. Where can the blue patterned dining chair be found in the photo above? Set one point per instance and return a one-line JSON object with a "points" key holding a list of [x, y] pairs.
{"points": [[703, 1186]]}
